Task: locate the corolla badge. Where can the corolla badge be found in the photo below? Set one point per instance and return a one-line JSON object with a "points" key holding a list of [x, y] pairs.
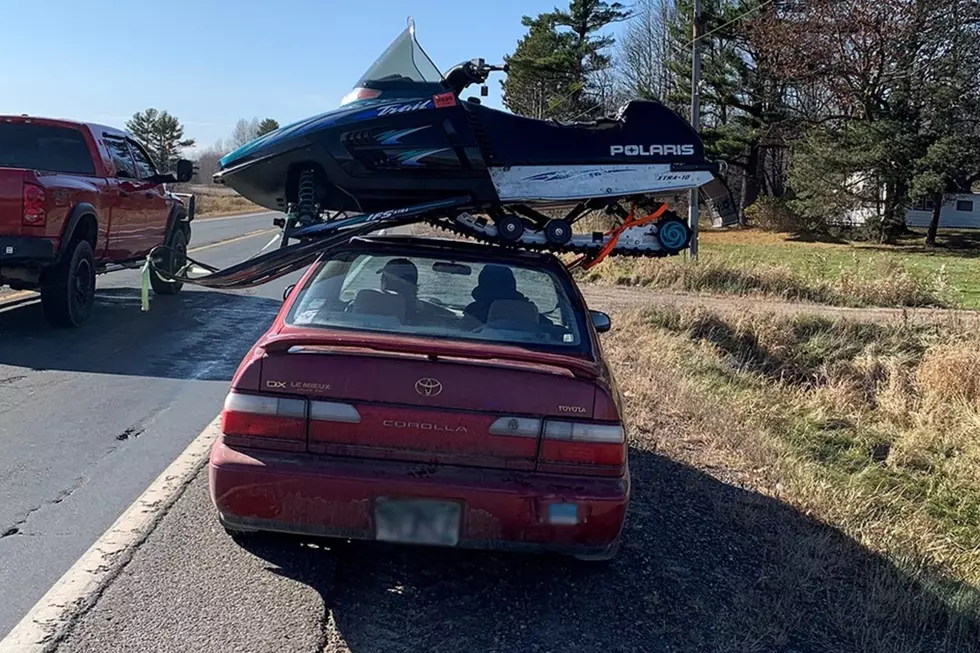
{"points": [[428, 387]]}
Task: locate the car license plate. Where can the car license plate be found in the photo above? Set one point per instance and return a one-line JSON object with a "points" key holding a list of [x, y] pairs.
{"points": [[417, 521]]}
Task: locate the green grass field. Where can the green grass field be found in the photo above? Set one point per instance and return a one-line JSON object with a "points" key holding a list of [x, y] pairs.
{"points": [[957, 257], [838, 272]]}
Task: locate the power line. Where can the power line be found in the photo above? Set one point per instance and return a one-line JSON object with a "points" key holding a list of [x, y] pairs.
{"points": [[733, 20]]}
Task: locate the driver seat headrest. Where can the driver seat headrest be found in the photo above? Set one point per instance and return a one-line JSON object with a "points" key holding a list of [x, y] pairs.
{"points": [[513, 310]]}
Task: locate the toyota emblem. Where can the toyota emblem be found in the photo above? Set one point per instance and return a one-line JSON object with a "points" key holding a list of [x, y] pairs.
{"points": [[428, 387]]}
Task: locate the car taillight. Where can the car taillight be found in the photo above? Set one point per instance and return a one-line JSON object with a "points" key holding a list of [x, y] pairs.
{"points": [[34, 214], [263, 416], [583, 445]]}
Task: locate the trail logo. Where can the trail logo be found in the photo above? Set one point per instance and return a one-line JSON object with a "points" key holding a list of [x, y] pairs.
{"points": [[404, 108]]}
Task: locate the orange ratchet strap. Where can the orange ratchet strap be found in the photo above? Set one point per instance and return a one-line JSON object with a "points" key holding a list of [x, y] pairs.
{"points": [[616, 233]]}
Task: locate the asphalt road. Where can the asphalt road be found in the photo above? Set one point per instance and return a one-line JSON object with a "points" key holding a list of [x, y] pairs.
{"points": [[89, 417]]}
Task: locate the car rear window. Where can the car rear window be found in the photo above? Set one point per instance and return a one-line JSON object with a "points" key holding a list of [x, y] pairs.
{"points": [[441, 297], [42, 147]]}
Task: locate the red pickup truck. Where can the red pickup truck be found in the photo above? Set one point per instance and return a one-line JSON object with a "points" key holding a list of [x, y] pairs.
{"points": [[80, 199]]}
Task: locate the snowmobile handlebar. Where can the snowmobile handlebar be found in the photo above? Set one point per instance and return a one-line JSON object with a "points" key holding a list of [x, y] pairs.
{"points": [[471, 72]]}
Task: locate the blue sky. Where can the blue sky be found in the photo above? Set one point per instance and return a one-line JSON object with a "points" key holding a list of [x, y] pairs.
{"points": [[211, 63]]}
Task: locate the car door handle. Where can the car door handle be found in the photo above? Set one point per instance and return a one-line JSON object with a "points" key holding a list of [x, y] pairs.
{"points": [[148, 195], [123, 193]]}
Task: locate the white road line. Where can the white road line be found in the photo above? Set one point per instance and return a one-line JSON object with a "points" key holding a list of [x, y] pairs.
{"points": [[49, 621], [236, 216]]}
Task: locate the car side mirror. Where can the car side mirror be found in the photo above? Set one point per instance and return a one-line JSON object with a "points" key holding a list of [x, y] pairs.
{"points": [[185, 170], [288, 291], [600, 321]]}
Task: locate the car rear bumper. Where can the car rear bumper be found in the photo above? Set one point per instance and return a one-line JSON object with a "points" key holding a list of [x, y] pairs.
{"points": [[21, 250], [310, 494]]}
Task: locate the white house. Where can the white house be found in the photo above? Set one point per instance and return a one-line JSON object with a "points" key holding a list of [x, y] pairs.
{"points": [[961, 211]]}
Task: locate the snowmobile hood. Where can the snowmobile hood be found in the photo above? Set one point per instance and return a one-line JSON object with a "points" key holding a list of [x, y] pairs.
{"points": [[268, 143], [295, 134]]}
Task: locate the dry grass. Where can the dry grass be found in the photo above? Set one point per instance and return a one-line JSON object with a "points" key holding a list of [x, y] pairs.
{"points": [[213, 204], [869, 429], [881, 282]]}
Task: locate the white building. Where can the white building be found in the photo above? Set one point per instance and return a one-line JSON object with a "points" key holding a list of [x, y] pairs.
{"points": [[961, 211]]}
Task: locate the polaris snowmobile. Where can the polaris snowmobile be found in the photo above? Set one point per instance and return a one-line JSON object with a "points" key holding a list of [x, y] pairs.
{"points": [[404, 146]]}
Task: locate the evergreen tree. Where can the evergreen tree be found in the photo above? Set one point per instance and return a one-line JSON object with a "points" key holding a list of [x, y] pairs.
{"points": [[266, 126], [161, 134], [743, 103], [557, 68], [540, 72]]}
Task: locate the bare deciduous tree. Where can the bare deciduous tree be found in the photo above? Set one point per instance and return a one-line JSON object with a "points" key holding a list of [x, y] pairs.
{"points": [[207, 162], [245, 131], [645, 50]]}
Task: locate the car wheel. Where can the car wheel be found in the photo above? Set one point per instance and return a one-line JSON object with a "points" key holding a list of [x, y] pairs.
{"points": [[68, 287], [172, 260]]}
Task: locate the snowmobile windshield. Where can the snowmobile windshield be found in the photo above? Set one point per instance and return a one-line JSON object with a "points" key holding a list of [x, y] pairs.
{"points": [[403, 61]]}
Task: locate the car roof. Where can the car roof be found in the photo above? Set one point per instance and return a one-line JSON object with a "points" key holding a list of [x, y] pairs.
{"points": [[443, 246], [95, 127]]}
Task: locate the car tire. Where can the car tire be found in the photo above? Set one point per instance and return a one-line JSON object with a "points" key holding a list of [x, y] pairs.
{"points": [[68, 287], [174, 258]]}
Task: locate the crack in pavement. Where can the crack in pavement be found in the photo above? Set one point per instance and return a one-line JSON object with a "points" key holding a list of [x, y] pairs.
{"points": [[15, 528], [131, 433]]}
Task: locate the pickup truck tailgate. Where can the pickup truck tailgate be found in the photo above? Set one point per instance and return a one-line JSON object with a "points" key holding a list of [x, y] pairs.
{"points": [[11, 200]]}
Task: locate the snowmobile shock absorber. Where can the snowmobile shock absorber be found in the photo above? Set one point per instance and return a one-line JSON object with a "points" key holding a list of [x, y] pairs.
{"points": [[306, 198]]}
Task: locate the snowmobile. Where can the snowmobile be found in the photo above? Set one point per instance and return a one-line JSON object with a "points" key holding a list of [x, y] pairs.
{"points": [[404, 144]]}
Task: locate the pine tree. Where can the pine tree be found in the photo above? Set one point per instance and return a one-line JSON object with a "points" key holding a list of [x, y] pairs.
{"points": [[540, 71], [589, 58], [743, 103], [161, 134], [266, 126], [557, 69]]}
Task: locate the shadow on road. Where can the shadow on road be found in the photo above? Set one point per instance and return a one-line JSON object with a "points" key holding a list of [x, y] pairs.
{"points": [[705, 567], [197, 334]]}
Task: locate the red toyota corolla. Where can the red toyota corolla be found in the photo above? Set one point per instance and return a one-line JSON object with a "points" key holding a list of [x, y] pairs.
{"points": [[428, 392]]}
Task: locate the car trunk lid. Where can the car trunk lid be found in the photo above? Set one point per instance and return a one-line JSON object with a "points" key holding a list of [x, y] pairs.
{"points": [[426, 401]]}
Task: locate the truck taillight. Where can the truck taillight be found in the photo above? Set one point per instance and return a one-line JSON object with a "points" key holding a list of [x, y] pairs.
{"points": [[583, 447], [264, 416], [34, 214]]}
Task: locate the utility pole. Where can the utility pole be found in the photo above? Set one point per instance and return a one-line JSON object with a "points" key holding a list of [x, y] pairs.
{"points": [[692, 216]]}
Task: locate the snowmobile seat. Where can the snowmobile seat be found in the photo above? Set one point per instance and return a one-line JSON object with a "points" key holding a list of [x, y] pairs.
{"points": [[509, 139]]}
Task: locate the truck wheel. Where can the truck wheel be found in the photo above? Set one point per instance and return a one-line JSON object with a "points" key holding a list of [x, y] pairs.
{"points": [[173, 259], [68, 287]]}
